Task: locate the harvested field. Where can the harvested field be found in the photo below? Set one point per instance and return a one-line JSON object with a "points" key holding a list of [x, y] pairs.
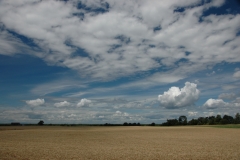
{"points": [[45, 142]]}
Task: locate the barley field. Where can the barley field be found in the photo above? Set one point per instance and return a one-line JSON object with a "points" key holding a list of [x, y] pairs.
{"points": [[109, 143]]}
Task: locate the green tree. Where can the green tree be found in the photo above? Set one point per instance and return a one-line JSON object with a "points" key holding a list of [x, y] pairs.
{"points": [[193, 122], [182, 120], [237, 118], [218, 119], [41, 123], [229, 119], [152, 124]]}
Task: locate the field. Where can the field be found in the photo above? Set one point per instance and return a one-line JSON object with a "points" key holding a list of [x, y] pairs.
{"points": [[103, 143]]}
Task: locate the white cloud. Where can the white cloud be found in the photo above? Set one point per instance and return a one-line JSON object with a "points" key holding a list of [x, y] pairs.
{"points": [[177, 98], [119, 113], [219, 103], [237, 75], [116, 49], [57, 86], [214, 103], [192, 114], [62, 104], [36, 102], [84, 103]]}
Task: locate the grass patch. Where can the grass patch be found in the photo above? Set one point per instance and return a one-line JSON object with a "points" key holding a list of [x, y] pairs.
{"points": [[228, 126]]}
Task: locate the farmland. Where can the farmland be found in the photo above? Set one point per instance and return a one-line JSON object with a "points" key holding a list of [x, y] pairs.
{"points": [[138, 142]]}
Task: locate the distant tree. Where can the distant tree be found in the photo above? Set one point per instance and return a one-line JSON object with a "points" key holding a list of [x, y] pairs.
{"points": [[138, 124], [125, 124], [40, 122], [224, 121], [211, 120], [237, 118], [182, 120], [193, 122], [218, 119], [201, 120], [229, 119], [152, 124], [171, 122]]}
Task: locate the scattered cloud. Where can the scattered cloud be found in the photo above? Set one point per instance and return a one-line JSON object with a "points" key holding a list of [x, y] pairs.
{"points": [[177, 98], [62, 104], [119, 113], [84, 103], [192, 114], [111, 49], [36, 102]]}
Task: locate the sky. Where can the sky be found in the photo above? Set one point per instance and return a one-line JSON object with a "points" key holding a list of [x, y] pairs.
{"points": [[111, 61]]}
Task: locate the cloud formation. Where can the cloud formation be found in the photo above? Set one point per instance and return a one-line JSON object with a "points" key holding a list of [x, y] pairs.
{"points": [[36, 102], [62, 104], [84, 103], [219, 103], [214, 103], [177, 98], [123, 39]]}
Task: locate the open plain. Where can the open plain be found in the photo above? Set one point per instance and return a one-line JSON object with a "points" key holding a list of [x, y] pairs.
{"points": [[103, 143]]}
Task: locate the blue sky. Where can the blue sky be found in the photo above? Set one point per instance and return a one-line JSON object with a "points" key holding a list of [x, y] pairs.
{"points": [[110, 61]]}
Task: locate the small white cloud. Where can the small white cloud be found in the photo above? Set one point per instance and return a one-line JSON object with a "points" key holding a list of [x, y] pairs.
{"points": [[237, 75], [214, 103], [118, 112], [177, 98], [84, 103], [210, 74], [62, 104], [192, 113], [121, 114], [36, 102]]}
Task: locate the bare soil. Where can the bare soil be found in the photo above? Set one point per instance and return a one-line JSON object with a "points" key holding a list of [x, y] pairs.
{"points": [[109, 143]]}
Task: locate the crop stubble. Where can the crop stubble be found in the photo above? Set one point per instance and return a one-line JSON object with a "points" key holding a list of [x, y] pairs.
{"points": [[119, 143]]}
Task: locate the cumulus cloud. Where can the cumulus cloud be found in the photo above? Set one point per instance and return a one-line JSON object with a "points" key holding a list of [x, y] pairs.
{"points": [[214, 103], [237, 75], [36, 102], [62, 104], [84, 103], [219, 103], [141, 42], [177, 98]]}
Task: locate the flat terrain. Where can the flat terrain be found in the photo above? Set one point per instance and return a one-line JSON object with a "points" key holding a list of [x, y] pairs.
{"points": [[103, 143]]}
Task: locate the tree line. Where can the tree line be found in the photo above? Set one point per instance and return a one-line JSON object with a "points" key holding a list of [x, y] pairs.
{"points": [[211, 120]]}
